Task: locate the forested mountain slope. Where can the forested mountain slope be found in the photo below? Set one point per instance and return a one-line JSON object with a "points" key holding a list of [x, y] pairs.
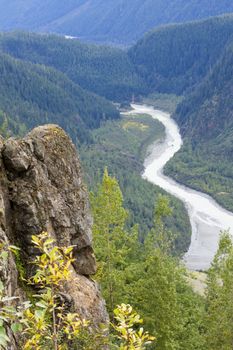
{"points": [[206, 120], [104, 70], [209, 109], [175, 58], [116, 21], [31, 94], [171, 59]]}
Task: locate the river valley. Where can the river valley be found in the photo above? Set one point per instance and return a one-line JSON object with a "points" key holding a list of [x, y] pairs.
{"points": [[207, 218]]}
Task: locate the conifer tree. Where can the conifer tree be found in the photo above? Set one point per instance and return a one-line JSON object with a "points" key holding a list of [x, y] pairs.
{"points": [[219, 314], [112, 242], [145, 275], [170, 308]]}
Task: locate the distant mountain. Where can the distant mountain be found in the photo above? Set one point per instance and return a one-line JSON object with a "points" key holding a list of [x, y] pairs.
{"points": [[170, 59], [31, 95], [175, 58], [206, 120], [116, 21]]}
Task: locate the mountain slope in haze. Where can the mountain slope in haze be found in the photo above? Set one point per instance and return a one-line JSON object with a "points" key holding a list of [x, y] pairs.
{"points": [[173, 59], [31, 95], [103, 70], [206, 119], [119, 21]]}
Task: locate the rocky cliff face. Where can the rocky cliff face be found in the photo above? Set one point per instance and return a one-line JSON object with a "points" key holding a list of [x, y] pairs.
{"points": [[41, 189]]}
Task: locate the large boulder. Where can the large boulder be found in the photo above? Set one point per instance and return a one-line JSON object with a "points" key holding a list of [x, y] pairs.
{"points": [[42, 190]]}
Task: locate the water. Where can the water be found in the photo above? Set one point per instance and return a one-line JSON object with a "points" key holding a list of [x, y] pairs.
{"points": [[207, 218]]}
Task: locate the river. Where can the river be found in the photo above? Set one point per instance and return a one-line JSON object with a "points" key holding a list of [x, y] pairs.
{"points": [[207, 218]]}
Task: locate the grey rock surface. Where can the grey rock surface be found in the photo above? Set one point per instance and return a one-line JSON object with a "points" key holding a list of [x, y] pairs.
{"points": [[42, 190]]}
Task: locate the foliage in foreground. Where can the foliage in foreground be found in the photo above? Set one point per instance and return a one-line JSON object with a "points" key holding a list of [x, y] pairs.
{"points": [[45, 323], [130, 338]]}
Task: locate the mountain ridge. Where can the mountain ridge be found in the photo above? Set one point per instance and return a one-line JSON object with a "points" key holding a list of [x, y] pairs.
{"points": [[117, 21]]}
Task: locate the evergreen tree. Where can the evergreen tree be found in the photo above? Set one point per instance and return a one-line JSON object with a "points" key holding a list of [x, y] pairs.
{"points": [[219, 314], [170, 308], [145, 275], [113, 244]]}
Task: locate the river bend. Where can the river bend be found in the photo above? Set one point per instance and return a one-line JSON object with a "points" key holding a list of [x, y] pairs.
{"points": [[207, 218]]}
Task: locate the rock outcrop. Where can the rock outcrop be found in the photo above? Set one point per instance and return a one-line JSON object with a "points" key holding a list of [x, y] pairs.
{"points": [[42, 190]]}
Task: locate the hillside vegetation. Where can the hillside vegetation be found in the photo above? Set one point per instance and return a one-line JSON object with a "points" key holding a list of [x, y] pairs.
{"points": [[31, 95], [103, 70], [206, 119], [112, 21], [173, 59], [122, 146]]}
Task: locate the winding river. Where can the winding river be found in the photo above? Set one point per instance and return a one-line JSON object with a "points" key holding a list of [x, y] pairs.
{"points": [[207, 218]]}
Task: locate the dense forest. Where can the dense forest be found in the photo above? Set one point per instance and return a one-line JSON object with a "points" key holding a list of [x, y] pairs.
{"points": [[32, 94], [103, 70], [173, 59], [112, 21], [155, 283], [206, 120]]}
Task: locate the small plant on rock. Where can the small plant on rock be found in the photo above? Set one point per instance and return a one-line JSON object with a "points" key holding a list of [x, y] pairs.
{"points": [[47, 324], [44, 323]]}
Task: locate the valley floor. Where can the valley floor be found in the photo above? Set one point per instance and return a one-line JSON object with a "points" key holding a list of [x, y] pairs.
{"points": [[122, 147]]}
